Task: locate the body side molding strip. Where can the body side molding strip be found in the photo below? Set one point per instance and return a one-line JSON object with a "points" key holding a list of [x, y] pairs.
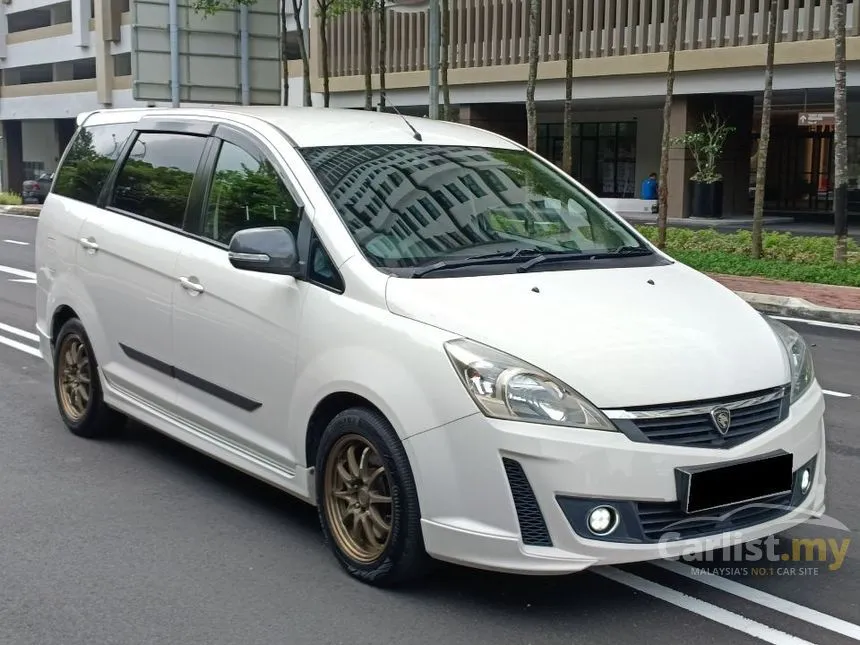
{"points": [[243, 402]]}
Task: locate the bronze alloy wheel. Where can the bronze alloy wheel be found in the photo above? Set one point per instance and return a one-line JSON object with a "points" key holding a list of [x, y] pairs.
{"points": [[74, 377], [358, 499]]}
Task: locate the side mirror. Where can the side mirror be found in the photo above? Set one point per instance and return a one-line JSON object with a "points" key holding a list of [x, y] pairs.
{"points": [[269, 249]]}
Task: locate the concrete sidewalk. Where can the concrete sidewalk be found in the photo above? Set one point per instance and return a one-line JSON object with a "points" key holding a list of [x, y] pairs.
{"points": [[824, 302]]}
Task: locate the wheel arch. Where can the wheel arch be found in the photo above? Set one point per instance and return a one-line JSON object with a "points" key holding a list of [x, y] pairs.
{"points": [[327, 409]]}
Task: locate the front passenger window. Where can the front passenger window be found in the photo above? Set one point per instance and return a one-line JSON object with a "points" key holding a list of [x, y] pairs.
{"points": [[246, 192]]}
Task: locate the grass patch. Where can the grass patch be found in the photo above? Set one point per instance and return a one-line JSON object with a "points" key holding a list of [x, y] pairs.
{"points": [[784, 256], [10, 199]]}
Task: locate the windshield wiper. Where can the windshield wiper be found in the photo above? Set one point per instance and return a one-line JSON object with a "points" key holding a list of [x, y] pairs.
{"points": [[624, 251], [472, 260]]}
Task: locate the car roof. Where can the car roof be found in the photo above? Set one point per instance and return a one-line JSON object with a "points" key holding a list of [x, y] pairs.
{"points": [[319, 126]]}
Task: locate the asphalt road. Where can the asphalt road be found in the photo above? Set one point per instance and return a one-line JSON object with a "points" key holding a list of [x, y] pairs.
{"points": [[141, 540]]}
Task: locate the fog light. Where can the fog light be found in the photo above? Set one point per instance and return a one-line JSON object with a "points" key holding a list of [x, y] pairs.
{"points": [[602, 520], [805, 480]]}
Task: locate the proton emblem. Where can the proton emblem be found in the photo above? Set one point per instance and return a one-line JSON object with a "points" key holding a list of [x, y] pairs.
{"points": [[722, 418]]}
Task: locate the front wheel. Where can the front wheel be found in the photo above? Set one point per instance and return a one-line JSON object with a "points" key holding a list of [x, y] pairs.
{"points": [[368, 504], [77, 386]]}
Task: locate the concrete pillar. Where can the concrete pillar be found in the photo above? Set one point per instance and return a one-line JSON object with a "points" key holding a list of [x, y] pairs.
{"points": [[14, 145], [687, 112], [506, 119]]}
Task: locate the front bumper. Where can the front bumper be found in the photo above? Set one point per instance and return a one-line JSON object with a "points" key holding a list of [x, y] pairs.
{"points": [[473, 476]]}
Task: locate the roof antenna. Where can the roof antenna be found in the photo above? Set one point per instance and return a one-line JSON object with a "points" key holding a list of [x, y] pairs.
{"points": [[417, 135]]}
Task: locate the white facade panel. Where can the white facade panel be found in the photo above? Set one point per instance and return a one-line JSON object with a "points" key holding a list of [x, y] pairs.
{"points": [[45, 51]]}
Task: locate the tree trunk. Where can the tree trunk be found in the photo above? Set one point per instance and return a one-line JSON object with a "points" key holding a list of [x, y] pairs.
{"points": [[367, 53], [323, 15], [298, 5], [444, 36], [764, 131], [663, 188], [567, 151], [383, 50], [531, 108], [840, 138]]}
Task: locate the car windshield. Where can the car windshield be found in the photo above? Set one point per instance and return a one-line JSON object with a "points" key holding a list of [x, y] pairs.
{"points": [[412, 206]]}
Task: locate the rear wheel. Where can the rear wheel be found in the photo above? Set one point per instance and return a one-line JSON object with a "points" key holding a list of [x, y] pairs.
{"points": [[77, 386], [368, 504]]}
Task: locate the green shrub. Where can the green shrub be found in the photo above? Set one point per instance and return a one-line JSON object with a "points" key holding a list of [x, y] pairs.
{"points": [[784, 256], [10, 199]]}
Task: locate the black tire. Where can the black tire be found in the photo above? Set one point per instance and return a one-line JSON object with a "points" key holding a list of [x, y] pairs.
{"points": [[403, 558], [95, 419]]}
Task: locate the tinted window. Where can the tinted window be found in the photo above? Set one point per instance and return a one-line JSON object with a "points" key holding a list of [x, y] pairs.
{"points": [[155, 179], [321, 269], [90, 159], [479, 201], [246, 192]]}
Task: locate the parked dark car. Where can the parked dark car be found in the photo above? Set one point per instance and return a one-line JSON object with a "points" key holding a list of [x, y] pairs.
{"points": [[35, 190]]}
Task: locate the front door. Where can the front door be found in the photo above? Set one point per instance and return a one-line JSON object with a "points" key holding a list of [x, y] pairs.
{"points": [[235, 331], [128, 259]]}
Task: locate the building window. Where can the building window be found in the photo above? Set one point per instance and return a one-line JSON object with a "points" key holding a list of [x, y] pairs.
{"points": [[604, 154]]}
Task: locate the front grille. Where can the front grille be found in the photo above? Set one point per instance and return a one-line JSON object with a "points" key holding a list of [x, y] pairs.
{"points": [[662, 520], [693, 426], [532, 526], [649, 522]]}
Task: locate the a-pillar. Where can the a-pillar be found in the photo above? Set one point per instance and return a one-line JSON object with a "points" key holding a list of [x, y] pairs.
{"points": [[14, 148], [506, 119], [687, 113]]}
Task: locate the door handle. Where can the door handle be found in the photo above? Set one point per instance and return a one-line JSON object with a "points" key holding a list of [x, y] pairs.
{"points": [[89, 244], [191, 284]]}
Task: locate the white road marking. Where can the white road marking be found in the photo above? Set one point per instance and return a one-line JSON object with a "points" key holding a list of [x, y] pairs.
{"points": [[764, 599], [17, 242], [19, 332], [21, 347], [842, 395], [23, 280], [700, 607], [819, 323], [17, 272]]}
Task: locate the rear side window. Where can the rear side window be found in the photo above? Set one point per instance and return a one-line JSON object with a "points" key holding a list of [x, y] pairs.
{"points": [[156, 178], [89, 161]]}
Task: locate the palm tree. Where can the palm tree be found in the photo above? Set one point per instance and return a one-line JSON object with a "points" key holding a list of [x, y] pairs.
{"points": [[567, 150], [764, 135], [531, 108], [840, 138], [663, 195]]}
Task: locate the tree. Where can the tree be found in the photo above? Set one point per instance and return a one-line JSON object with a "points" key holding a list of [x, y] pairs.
{"points": [[764, 131], [366, 7], [383, 50], [663, 194], [531, 108], [444, 37], [840, 139], [567, 151], [328, 10]]}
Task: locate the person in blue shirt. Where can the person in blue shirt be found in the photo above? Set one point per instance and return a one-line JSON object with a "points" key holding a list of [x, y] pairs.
{"points": [[649, 187]]}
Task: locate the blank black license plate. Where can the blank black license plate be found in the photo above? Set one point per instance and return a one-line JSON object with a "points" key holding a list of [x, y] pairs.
{"points": [[703, 488]]}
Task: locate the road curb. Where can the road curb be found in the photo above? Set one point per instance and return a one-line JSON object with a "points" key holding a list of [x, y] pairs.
{"points": [[30, 211], [799, 308]]}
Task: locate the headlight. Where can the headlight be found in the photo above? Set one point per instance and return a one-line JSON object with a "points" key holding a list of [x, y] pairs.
{"points": [[799, 358], [507, 388]]}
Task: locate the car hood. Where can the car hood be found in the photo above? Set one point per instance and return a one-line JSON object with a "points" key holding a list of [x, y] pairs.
{"points": [[621, 337]]}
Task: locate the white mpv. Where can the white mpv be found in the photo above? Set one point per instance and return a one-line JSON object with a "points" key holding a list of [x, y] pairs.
{"points": [[447, 345]]}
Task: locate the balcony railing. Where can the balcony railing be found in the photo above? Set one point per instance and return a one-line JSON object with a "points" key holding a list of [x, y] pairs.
{"points": [[496, 32]]}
